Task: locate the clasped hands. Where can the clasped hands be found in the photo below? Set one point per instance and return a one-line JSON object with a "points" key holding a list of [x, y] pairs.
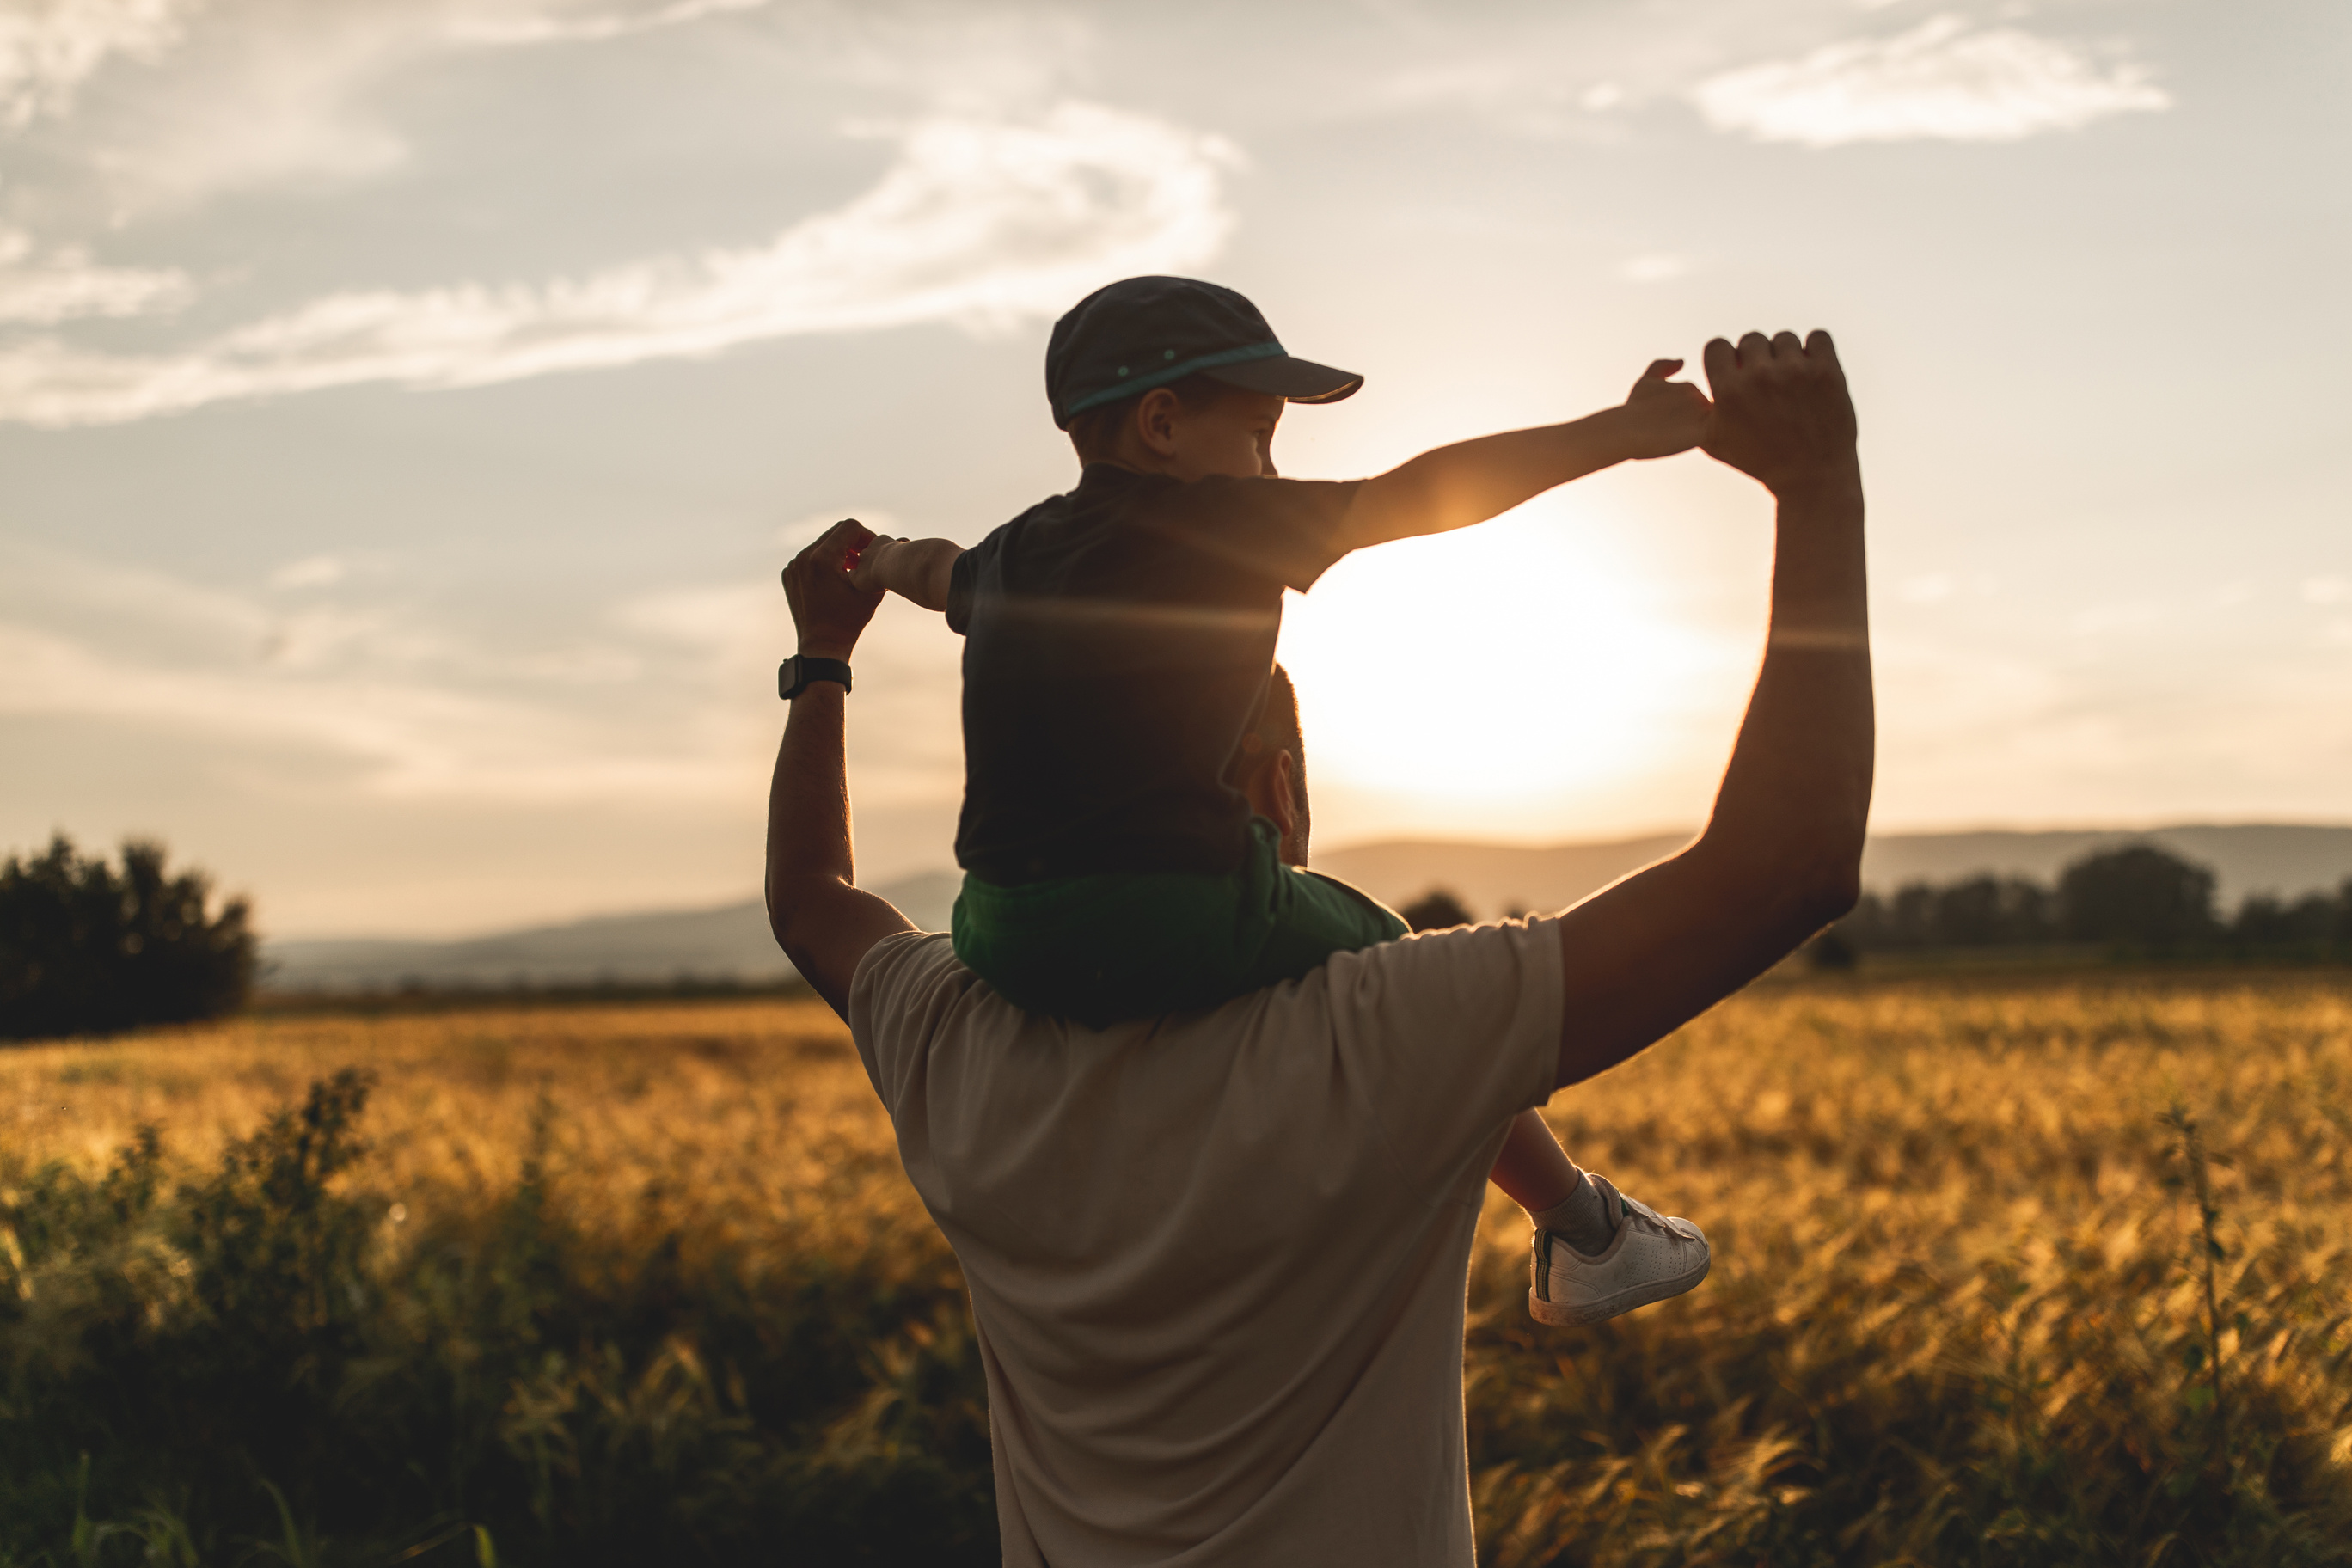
{"points": [[1779, 412]]}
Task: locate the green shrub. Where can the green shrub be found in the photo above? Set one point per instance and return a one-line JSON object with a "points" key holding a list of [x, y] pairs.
{"points": [[241, 1367]]}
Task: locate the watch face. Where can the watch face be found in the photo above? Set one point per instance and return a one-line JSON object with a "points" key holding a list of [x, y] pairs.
{"points": [[788, 676]]}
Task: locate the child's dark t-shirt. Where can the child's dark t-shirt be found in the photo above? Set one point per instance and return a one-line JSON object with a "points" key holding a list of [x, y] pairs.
{"points": [[1117, 641]]}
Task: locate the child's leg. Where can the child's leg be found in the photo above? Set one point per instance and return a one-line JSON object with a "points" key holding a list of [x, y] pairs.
{"points": [[1536, 1174], [1533, 1170], [1596, 1252]]}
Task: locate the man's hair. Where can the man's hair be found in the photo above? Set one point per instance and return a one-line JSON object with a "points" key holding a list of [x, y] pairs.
{"points": [[1096, 433], [1277, 730]]}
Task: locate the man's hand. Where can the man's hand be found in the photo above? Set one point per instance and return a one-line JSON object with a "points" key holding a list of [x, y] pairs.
{"points": [[829, 610], [1781, 412], [1663, 416]]}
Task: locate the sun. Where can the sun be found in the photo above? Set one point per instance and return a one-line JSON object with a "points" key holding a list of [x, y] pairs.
{"points": [[1512, 660]]}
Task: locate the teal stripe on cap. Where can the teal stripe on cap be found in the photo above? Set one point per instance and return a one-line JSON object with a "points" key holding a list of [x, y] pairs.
{"points": [[1130, 386]]}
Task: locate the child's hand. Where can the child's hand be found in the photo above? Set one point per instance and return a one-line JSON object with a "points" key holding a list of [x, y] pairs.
{"points": [[866, 565], [1664, 417]]}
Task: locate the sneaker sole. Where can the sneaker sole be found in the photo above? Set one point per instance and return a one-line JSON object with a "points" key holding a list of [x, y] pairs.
{"points": [[1562, 1315]]}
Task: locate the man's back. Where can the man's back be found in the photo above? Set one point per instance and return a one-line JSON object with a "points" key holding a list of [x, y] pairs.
{"points": [[1217, 1262]]}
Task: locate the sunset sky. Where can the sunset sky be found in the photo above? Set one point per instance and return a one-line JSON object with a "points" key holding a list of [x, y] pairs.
{"points": [[406, 406]]}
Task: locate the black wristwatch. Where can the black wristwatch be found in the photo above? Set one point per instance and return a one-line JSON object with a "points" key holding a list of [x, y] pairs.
{"points": [[792, 676]]}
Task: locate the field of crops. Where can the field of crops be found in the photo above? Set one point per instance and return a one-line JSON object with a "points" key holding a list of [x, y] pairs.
{"points": [[643, 1284]]}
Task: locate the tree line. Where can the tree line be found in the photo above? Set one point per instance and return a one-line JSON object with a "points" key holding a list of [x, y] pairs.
{"points": [[89, 948], [2137, 899]]}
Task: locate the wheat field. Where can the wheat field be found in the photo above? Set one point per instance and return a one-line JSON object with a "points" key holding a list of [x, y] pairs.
{"points": [[2041, 1270]]}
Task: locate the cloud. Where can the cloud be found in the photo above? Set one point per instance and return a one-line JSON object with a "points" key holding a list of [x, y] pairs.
{"points": [[663, 697], [1933, 589], [1940, 80], [49, 47], [597, 28], [414, 709], [1657, 268], [980, 222], [64, 285], [313, 571]]}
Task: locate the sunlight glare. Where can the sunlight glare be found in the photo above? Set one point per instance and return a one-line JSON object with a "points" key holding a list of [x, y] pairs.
{"points": [[1513, 659]]}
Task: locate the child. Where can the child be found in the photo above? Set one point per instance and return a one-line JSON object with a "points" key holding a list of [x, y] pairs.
{"points": [[1118, 641]]}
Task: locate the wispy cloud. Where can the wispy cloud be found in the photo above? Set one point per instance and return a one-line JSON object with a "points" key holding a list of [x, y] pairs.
{"points": [[42, 289], [415, 709], [50, 47], [593, 27], [980, 222], [1941, 81], [658, 697]]}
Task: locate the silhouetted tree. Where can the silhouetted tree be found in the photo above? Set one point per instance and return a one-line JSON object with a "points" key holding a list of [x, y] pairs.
{"points": [[1434, 910], [85, 949], [2313, 926], [2137, 894], [2267, 920], [1993, 911], [1981, 912]]}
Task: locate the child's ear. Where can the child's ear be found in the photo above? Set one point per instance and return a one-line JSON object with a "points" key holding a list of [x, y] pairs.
{"points": [[1155, 420]]}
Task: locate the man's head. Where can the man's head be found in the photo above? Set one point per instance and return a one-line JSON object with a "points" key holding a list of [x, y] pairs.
{"points": [[1270, 767], [1173, 375]]}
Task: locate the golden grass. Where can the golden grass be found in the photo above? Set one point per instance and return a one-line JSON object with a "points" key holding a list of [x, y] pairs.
{"points": [[1946, 1242], [733, 1119]]}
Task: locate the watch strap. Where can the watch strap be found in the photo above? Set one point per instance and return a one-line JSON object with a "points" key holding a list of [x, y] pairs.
{"points": [[793, 675]]}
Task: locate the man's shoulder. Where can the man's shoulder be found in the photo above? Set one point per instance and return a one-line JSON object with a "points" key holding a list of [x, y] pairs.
{"points": [[898, 966], [1432, 966], [904, 989]]}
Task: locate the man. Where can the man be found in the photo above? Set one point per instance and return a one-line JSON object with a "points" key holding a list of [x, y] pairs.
{"points": [[1217, 1260]]}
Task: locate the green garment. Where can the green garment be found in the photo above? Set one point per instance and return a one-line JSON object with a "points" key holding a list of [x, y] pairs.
{"points": [[1103, 949]]}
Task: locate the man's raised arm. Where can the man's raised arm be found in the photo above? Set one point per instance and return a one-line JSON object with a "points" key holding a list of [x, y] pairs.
{"points": [[821, 920], [1782, 851]]}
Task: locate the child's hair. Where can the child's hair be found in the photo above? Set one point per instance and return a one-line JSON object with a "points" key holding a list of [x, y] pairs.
{"points": [[1095, 432]]}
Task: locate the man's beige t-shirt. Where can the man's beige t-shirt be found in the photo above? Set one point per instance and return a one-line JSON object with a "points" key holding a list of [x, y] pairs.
{"points": [[1217, 1261]]}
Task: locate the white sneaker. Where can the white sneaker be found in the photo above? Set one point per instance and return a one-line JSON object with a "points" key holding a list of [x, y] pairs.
{"points": [[1651, 1258]]}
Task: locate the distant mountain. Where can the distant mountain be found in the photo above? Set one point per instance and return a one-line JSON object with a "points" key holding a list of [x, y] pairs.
{"points": [[1493, 878], [730, 943]]}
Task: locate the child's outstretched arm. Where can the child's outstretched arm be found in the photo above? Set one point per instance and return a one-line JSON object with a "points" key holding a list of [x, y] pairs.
{"points": [[916, 569], [1470, 481]]}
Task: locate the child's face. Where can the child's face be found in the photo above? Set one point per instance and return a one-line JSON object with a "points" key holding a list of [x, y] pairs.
{"points": [[1233, 437]]}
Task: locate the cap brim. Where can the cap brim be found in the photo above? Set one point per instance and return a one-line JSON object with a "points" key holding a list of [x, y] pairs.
{"points": [[1300, 380]]}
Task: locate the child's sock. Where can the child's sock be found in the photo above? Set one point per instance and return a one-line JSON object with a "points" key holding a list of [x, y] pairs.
{"points": [[1580, 1220]]}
